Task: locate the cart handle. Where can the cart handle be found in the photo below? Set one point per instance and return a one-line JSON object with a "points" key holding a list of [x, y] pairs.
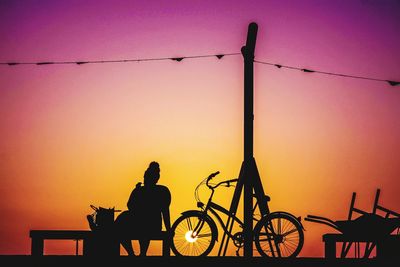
{"points": [[322, 220]]}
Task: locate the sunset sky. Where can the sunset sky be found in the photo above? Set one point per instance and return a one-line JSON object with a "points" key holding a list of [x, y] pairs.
{"points": [[76, 135]]}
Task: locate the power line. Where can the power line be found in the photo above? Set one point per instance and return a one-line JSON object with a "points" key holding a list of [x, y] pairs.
{"points": [[12, 63], [392, 83], [179, 59]]}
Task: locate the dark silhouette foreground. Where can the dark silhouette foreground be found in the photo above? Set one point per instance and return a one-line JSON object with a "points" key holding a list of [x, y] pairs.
{"points": [[148, 208], [18, 260]]}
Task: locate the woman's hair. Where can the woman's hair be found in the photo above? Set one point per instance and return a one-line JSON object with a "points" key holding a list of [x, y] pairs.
{"points": [[152, 174]]}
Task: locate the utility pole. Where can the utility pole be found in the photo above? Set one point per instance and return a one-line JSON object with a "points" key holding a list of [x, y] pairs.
{"points": [[249, 178]]}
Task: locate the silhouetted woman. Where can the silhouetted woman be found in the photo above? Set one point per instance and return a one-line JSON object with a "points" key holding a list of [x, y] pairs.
{"points": [[148, 207]]}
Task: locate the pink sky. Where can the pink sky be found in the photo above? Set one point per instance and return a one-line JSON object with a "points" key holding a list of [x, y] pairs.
{"points": [[71, 136]]}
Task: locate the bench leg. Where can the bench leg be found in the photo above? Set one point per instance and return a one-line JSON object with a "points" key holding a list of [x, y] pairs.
{"points": [[37, 246], [77, 247], [330, 249], [88, 244]]}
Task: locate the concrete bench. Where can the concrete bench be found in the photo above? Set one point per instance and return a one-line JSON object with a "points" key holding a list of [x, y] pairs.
{"points": [[386, 247], [89, 238]]}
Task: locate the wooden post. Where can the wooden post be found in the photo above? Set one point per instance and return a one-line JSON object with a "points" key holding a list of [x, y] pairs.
{"points": [[249, 179], [248, 56]]}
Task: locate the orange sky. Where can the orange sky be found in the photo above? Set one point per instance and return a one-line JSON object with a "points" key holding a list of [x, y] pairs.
{"points": [[72, 136]]}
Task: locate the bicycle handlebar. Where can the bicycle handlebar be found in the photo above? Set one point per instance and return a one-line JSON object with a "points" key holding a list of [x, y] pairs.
{"points": [[227, 182], [211, 187], [231, 181], [212, 175]]}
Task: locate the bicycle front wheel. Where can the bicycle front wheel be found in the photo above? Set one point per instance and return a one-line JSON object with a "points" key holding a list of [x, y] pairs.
{"points": [[193, 235], [279, 235]]}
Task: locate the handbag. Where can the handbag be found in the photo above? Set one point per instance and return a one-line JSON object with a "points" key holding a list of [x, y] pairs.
{"points": [[102, 219]]}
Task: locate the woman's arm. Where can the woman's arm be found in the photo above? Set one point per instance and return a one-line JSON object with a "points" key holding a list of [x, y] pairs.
{"points": [[165, 210], [166, 219]]}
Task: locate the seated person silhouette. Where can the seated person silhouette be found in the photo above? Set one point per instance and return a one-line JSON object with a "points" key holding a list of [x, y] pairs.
{"points": [[148, 207]]}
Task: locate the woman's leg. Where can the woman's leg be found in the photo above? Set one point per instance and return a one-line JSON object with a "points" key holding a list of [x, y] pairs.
{"points": [[127, 244], [144, 245], [122, 224]]}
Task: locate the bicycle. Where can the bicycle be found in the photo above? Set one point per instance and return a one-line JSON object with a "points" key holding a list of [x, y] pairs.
{"points": [[194, 233]]}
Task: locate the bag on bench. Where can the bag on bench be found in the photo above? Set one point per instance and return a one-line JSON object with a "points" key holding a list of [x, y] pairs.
{"points": [[102, 219], [103, 241]]}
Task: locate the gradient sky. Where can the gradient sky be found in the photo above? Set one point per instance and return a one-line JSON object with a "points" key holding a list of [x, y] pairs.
{"points": [[71, 136]]}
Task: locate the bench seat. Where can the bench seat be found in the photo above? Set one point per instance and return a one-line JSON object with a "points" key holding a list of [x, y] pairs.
{"points": [[89, 238]]}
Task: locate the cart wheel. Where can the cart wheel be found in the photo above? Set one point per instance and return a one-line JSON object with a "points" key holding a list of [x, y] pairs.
{"points": [[279, 235]]}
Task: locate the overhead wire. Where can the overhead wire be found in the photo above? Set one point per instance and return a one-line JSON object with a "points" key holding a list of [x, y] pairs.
{"points": [[179, 59], [14, 63], [307, 70]]}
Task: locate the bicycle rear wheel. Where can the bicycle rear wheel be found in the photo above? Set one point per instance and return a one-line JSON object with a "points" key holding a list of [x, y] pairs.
{"points": [[279, 235], [193, 235]]}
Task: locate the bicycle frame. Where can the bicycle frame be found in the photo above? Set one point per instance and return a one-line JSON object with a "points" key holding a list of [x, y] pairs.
{"points": [[213, 207]]}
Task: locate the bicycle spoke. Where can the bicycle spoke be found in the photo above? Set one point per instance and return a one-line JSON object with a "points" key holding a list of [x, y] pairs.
{"points": [[290, 232], [189, 223], [279, 226], [204, 235]]}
